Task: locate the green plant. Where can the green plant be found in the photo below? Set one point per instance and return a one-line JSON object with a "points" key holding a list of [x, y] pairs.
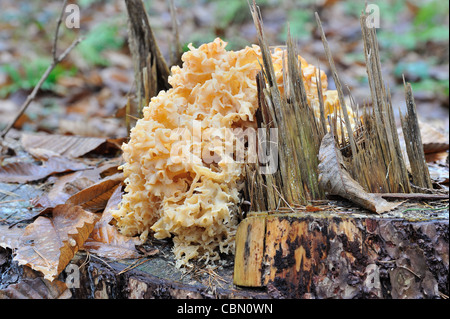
{"points": [[429, 24], [103, 36], [27, 74], [300, 24], [231, 11]]}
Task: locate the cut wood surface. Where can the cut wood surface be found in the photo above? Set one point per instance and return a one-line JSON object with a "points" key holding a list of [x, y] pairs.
{"points": [[250, 252], [347, 255]]}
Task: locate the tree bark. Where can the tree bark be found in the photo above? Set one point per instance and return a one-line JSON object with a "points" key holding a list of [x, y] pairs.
{"points": [[151, 69]]}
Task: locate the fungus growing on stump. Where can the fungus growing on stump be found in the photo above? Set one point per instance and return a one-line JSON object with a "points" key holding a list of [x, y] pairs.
{"points": [[183, 178]]}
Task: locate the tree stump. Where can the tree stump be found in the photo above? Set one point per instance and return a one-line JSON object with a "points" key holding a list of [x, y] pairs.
{"points": [[157, 278], [345, 255]]}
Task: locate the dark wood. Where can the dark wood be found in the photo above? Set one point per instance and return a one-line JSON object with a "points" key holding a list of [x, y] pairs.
{"points": [[151, 69], [156, 279], [355, 255]]}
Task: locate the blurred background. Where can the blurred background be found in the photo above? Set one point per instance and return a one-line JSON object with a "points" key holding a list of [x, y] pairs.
{"points": [[86, 94]]}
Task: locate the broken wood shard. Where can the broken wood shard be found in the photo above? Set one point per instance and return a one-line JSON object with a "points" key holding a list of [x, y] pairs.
{"points": [[413, 140], [150, 65]]}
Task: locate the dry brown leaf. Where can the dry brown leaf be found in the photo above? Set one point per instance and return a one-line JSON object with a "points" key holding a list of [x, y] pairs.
{"points": [[49, 243], [95, 197], [437, 158], [335, 179], [433, 140], [311, 208], [105, 240], [110, 166], [45, 145], [22, 172], [93, 127], [37, 288], [10, 237], [66, 186]]}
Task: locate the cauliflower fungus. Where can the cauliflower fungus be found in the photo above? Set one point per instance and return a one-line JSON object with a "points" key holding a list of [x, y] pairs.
{"points": [[178, 181]]}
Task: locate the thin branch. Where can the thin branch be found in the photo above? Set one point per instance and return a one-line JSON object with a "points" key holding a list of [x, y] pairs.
{"points": [[58, 24], [47, 72]]}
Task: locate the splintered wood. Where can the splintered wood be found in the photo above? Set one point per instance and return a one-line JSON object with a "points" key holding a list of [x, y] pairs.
{"points": [[413, 141], [325, 253], [290, 112], [372, 157]]}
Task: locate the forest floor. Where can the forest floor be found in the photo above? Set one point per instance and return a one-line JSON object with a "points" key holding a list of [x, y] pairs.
{"points": [[86, 94]]}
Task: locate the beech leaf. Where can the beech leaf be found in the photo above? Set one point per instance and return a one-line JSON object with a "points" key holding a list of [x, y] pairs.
{"points": [[10, 237], [49, 243], [37, 288], [433, 140], [41, 145], [105, 240], [23, 172], [66, 186], [95, 197], [336, 180]]}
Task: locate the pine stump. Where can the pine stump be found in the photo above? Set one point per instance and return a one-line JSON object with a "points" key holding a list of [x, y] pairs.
{"points": [[345, 255]]}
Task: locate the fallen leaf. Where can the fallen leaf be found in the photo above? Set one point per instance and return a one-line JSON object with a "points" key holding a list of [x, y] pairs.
{"points": [[105, 240], [437, 157], [49, 243], [93, 127], [37, 288], [335, 179], [45, 145], [433, 140], [23, 172], [110, 167], [10, 237], [95, 197], [66, 186], [311, 208]]}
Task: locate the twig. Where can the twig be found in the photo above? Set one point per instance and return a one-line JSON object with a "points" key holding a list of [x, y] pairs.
{"points": [[40, 255], [86, 261], [412, 196], [47, 72], [134, 265], [411, 271], [108, 265], [443, 296], [58, 24]]}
